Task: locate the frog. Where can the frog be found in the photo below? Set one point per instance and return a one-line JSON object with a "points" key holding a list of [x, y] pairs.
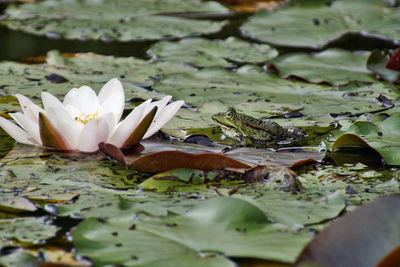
{"points": [[250, 131]]}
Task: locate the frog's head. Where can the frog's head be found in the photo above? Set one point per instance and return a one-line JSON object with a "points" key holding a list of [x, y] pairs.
{"points": [[226, 119], [229, 122]]}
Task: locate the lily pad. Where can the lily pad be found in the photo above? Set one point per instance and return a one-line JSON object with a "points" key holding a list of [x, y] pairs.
{"points": [[217, 228], [378, 220], [18, 257], [382, 137], [377, 63], [298, 211], [167, 160], [16, 204], [206, 53], [92, 70], [320, 23], [333, 66], [27, 229], [109, 20], [250, 84]]}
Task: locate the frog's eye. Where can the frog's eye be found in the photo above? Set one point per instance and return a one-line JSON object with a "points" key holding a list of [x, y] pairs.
{"points": [[230, 114]]}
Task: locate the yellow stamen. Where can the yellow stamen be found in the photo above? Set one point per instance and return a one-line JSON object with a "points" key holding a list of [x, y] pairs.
{"points": [[85, 118]]}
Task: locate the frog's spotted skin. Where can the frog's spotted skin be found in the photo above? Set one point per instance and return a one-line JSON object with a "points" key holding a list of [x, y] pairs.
{"points": [[251, 131]]}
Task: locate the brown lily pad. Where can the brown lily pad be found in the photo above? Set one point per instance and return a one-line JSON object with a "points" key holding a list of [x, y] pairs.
{"points": [[366, 237], [168, 160]]}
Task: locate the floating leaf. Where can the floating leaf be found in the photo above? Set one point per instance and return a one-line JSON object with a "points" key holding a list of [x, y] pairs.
{"points": [[320, 23], [377, 62], [252, 6], [167, 160], [122, 21], [383, 137], [333, 66], [113, 152], [205, 53], [16, 204], [27, 229], [18, 257], [347, 241], [250, 84], [299, 210], [394, 62], [218, 228]]}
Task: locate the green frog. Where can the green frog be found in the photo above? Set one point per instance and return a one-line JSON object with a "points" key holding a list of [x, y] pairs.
{"points": [[250, 131]]}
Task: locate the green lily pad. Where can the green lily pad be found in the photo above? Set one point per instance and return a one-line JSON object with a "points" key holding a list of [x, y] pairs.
{"points": [[320, 23], [383, 137], [250, 84], [27, 229], [82, 69], [92, 70], [377, 63], [16, 204], [298, 211], [333, 66], [218, 228], [18, 258], [206, 53], [109, 20]]}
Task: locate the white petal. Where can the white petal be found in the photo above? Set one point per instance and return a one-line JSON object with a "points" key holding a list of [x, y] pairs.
{"points": [[112, 87], [162, 118], [160, 105], [93, 133], [50, 101], [110, 119], [31, 127], [84, 99], [15, 132], [127, 126], [66, 126], [112, 98], [30, 109], [72, 111], [69, 98]]}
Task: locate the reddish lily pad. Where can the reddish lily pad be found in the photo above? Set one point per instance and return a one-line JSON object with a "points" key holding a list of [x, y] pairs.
{"points": [[113, 152], [394, 62], [168, 160]]}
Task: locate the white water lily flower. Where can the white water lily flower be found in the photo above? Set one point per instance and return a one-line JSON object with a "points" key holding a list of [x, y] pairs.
{"points": [[84, 119]]}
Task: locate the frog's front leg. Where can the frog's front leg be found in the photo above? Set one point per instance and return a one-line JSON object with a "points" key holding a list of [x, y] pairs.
{"points": [[233, 146]]}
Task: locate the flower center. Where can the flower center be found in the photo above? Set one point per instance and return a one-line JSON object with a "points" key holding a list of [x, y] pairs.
{"points": [[85, 118]]}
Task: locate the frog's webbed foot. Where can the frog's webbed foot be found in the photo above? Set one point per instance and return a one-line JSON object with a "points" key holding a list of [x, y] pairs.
{"points": [[240, 144]]}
